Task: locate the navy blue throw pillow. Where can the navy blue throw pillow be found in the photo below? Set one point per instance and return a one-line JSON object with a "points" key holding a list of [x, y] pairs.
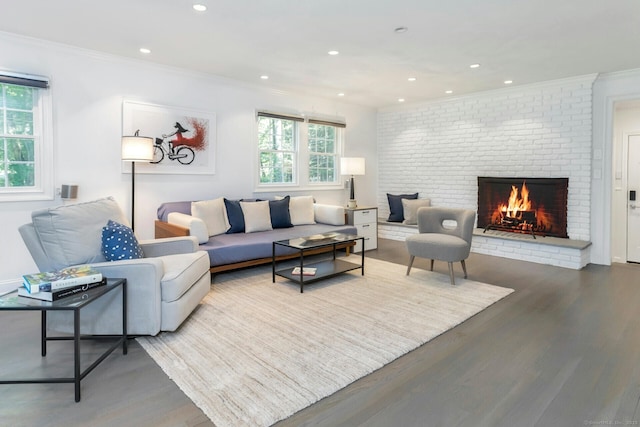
{"points": [[235, 216], [119, 242], [280, 216], [395, 206]]}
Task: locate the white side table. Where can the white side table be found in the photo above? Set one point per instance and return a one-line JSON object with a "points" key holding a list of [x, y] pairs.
{"points": [[365, 219]]}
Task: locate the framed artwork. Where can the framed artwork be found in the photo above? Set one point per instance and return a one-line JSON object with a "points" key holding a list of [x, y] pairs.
{"points": [[184, 139]]}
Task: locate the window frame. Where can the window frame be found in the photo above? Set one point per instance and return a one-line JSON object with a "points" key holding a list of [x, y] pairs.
{"points": [[43, 188], [301, 181]]}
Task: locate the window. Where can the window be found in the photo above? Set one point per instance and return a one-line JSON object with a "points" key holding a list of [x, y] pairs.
{"points": [[278, 145], [25, 157], [295, 152]]}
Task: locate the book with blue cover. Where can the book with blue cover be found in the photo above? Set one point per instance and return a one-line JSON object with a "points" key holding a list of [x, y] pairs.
{"points": [[60, 279]]}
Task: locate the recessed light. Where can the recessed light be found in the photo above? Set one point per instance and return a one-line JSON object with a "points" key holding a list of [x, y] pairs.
{"points": [[400, 99], [412, 79], [448, 92], [401, 30], [341, 94], [508, 82], [333, 52], [199, 7], [145, 50], [474, 66], [264, 77]]}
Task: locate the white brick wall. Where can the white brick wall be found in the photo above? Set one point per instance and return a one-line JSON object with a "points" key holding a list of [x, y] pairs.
{"points": [[439, 149]]}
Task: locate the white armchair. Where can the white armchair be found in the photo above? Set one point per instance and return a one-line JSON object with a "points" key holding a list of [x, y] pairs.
{"points": [[163, 288]]}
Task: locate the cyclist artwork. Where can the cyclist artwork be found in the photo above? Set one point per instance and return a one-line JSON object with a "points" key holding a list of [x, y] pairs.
{"points": [[176, 146]]}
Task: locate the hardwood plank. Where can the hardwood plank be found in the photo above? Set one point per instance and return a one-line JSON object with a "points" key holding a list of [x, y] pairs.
{"points": [[562, 350]]}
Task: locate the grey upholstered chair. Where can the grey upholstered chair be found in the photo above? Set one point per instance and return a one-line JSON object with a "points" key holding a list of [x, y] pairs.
{"points": [[163, 288], [443, 234]]}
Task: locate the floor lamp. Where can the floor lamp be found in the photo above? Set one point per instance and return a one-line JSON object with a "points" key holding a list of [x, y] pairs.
{"points": [[352, 166], [136, 148]]}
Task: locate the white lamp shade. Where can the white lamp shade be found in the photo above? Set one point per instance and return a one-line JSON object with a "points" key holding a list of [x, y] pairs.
{"points": [[137, 148], [352, 165]]}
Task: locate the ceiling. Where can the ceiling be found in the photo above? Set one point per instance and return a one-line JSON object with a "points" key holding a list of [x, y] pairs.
{"points": [[525, 41]]}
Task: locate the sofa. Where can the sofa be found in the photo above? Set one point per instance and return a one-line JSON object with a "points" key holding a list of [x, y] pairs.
{"points": [[240, 233], [163, 286]]}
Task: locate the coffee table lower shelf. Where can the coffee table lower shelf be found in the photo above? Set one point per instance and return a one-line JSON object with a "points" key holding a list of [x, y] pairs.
{"points": [[324, 270]]}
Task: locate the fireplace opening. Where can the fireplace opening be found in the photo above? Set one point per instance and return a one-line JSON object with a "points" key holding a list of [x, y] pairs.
{"points": [[535, 206]]}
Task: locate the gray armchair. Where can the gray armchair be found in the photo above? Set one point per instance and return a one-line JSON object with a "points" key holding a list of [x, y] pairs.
{"points": [[163, 288], [443, 234]]}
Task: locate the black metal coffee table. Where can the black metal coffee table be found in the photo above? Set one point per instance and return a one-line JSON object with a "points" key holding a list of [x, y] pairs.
{"points": [[323, 269], [13, 302]]}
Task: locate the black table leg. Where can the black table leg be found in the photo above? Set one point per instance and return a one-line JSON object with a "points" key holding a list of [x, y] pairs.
{"points": [[76, 352], [43, 333], [124, 317]]}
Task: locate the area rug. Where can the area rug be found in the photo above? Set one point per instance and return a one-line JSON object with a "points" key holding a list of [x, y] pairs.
{"points": [[255, 352]]}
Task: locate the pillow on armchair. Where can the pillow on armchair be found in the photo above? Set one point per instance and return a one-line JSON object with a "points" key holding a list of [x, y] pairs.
{"points": [[119, 242]]}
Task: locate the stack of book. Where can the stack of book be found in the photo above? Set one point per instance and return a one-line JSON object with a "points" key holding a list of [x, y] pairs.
{"points": [[56, 285]]}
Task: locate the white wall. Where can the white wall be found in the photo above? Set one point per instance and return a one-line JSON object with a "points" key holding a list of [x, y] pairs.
{"points": [[440, 148], [610, 92], [88, 89]]}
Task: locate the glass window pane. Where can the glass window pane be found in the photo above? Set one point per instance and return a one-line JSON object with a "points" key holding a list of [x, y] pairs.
{"points": [[19, 122], [19, 97], [21, 175], [20, 150]]}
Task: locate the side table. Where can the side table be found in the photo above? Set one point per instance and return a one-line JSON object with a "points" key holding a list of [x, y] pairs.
{"points": [[13, 302], [366, 221]]}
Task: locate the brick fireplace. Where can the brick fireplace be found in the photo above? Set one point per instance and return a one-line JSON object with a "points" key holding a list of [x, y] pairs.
{"points": [[534, 206]]}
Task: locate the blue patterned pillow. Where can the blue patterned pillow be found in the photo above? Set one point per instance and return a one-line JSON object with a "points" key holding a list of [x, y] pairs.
{"points": [[119, 242]]}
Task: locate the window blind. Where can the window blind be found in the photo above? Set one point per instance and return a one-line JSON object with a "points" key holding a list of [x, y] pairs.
{"points": [[24, 80], [327, 123], [280, 116]]}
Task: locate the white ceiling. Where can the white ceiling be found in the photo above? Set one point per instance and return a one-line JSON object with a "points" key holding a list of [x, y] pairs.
{"points": [[521, 40]]}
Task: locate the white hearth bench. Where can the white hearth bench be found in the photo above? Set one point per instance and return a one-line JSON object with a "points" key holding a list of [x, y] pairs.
{"points": [[568, 253]]}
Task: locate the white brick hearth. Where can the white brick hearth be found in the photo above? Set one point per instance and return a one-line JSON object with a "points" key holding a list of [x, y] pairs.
{"points": [[574, 254]]}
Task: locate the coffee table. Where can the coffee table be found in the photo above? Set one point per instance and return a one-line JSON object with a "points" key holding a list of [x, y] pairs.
{"points": [[325, 268], [13, 302]]}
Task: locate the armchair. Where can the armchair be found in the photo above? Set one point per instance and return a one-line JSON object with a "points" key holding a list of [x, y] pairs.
{"points": [[163, 287], [443, 234]]}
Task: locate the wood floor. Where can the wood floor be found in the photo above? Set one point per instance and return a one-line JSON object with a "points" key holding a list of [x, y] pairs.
{"points": [[563, 350]]}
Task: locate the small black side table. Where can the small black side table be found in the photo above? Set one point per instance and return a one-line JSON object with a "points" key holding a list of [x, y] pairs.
{"points": [[13, 302]]}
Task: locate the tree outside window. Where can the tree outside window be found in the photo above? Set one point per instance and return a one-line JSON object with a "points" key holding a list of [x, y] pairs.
{"points": [[17, 141], [277, 143], [322, 153]]}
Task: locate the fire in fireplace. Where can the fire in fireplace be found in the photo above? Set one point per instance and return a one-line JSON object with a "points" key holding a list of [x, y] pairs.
{"points": [[536, 206]]}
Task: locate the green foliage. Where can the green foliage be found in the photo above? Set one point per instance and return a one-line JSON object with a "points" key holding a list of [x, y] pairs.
{"points": [[17, 153]]}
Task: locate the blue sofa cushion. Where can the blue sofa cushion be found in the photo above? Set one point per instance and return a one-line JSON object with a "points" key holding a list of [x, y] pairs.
{"points": [[279, 210], [235, 216]]}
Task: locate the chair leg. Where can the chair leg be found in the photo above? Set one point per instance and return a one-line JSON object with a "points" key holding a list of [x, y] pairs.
{"points": [[464, 268], [451, 273], [432, 265], [411, 258]]}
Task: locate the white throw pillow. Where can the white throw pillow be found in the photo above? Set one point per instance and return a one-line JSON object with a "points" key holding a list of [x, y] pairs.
{"points": [[257, 216], [410, 207], [329, 214], [213, 213], [301, 210]]}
